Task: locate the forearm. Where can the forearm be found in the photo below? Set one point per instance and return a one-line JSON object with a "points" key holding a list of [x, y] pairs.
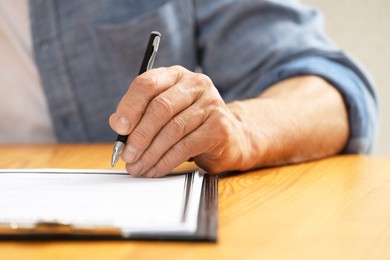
{"points": [[299, 119]]}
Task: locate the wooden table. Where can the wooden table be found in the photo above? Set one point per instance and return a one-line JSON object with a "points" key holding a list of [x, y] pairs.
{"points": [[336, 208]]}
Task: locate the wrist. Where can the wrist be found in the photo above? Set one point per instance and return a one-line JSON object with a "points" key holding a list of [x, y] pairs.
{"points": [[250, 144]]}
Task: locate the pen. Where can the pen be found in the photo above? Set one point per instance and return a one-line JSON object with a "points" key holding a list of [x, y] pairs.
{"points": [[147, 64]]}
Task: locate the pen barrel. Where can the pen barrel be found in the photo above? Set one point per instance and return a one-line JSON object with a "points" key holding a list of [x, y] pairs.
{"points": [[151, 49], [147, 63]]}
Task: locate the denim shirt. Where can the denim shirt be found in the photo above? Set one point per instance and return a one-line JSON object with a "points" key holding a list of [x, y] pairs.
{"points": [[89, 51]]}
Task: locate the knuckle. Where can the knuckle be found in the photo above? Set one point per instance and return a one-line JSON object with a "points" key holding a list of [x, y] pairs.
{"points": [[178, 71], [147, 82], [221, 123], [140, 135], [177, 126], [162, 106], [202, 80], [224, 128], [177, 68], [215, 103]]}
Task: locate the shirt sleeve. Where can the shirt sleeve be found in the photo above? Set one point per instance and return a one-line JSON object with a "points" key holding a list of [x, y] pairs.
{"points": [[361, 103], [246, 46]]}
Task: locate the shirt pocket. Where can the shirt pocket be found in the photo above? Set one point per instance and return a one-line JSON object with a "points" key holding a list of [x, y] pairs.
{"points": [[122, 45]]}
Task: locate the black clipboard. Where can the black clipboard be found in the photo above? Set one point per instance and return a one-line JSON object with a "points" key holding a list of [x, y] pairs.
{"points": [[206, 231]]}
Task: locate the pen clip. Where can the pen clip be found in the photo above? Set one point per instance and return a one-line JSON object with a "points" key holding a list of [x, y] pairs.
{"points": [[155, 44], [150, 52]]}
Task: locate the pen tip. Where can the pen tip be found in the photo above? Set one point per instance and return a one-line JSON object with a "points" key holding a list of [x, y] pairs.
{"points": [[114, 159], [118, 147], [116, 153]]}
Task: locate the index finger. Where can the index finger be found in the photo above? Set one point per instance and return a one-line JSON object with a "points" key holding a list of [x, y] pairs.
{"points": [[141, 92]]}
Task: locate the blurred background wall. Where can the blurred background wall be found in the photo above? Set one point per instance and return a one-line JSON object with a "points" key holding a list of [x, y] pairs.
{"points": [[362, 28]]}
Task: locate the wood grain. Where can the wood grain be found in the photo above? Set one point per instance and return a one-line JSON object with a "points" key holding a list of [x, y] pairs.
{"points": [[336, 208]]}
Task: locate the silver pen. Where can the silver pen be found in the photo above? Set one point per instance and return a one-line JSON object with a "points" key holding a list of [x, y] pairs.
{"points": [[147, 64]]}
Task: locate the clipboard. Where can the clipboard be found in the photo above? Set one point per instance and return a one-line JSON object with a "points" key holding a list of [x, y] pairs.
{"points": [[206, 221]]}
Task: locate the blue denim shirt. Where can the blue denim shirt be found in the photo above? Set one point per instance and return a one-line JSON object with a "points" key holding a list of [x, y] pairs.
{"points": [[89, 51]]}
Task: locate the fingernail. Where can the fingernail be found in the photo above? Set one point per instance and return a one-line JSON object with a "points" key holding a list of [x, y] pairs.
{"points": [[135, 169], [151, 173], [129, 154], [122, 125]]}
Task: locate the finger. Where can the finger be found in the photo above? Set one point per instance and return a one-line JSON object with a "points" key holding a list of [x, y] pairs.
{"points": [[159, 113], [191, 145], [142, 90], [213, 143], [207, 101], [178, 127]]}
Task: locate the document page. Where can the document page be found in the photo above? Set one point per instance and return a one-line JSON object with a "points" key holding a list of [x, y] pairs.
{"points": [[92, 197]]}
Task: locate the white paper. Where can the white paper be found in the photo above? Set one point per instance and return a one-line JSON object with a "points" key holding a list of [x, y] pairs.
{"points": [[98, 197]]}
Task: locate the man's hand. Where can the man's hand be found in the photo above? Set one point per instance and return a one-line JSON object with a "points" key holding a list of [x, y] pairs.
{"points": [[171, 115]]}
